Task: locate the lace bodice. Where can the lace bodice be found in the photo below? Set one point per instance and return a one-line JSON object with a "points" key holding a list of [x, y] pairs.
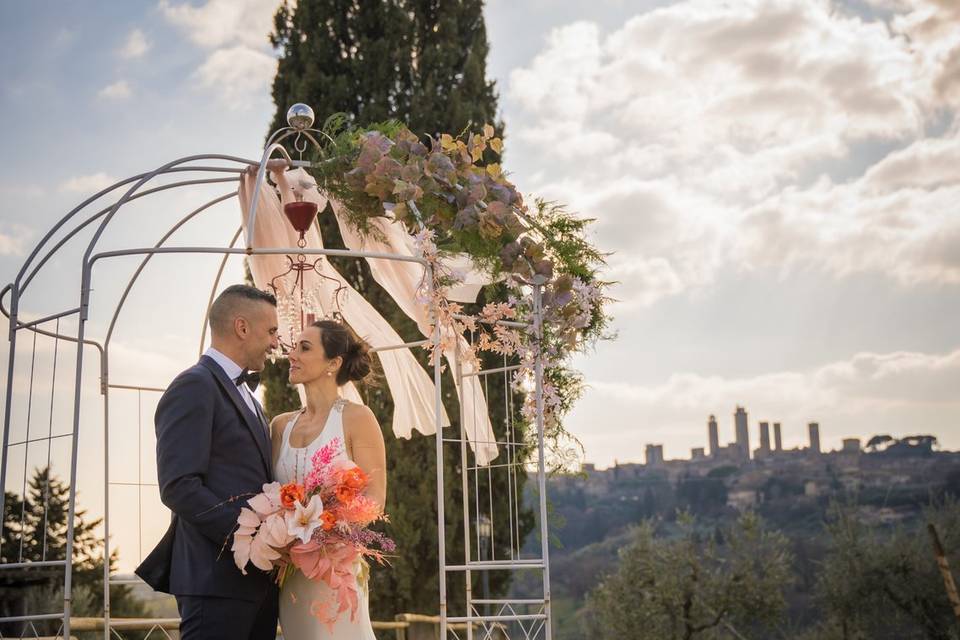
{"points": [[293, 463]]}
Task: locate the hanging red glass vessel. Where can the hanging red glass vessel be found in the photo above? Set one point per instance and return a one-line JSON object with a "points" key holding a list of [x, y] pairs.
{"points": [[301, 215]]}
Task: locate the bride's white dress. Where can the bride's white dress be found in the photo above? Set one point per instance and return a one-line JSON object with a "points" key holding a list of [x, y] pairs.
{"points": [[298, 593]]}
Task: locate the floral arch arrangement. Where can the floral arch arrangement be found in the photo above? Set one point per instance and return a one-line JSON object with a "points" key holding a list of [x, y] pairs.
{"points": [[453, 196]]}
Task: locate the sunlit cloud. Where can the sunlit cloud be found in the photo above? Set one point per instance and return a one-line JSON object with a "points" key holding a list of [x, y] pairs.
{"points": [[241, 64], [13, 239], [219, 23], [135, 46], [88, 183], [237, 74], [870, 380], [119, 90], [698, 125], [898, 392]]}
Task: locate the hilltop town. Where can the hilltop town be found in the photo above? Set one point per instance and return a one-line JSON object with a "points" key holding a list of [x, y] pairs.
{"points": [[885, 484], [889, 478]]}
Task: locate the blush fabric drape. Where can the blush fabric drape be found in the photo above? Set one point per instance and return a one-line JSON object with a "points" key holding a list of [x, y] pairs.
{"points": [[409, 384], [401, 280]]}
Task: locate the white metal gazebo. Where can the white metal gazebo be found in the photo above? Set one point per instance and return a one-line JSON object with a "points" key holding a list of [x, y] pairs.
{"points": [[67, 331]]}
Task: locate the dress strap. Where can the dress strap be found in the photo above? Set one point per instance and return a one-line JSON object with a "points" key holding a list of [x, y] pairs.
{"points": [[285, 442], [335, 425]]}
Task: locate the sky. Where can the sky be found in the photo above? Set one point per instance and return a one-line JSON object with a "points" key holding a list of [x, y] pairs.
{"points": [[777, 182]]}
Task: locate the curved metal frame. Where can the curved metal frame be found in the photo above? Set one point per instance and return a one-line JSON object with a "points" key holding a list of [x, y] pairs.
{"points": [[35, 262]]}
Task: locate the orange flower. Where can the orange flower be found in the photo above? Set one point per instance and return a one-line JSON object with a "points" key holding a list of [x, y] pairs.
{"points": [[328, 520], [291, 493], [355, 478], [345, 494]]}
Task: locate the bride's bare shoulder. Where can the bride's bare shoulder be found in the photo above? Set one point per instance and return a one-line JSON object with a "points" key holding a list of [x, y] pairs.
{"points": [[279, 422], [358, 415]]}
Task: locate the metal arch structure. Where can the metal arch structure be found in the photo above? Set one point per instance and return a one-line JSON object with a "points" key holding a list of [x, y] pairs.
{"points": [[520, 616]]}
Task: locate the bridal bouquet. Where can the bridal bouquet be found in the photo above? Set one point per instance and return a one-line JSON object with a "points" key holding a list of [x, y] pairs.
{"points": [[320, 527]]}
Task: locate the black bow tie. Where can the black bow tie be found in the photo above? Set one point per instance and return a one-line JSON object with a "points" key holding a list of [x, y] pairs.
{"points": [[252, 378]]}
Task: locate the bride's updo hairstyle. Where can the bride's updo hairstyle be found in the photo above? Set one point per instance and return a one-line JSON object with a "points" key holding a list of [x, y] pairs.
{"points": [[339, 340]]}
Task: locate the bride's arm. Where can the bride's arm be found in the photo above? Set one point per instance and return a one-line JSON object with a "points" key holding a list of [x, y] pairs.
{"points": [[365, 443]]}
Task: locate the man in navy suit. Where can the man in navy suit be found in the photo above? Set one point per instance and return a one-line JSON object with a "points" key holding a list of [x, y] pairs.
{"points": [[213, 444]]}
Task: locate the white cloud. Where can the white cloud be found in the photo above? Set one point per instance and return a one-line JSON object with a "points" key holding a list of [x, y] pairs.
{"points": [[715, 113], [874, 381], [13, 239], [902, 218], [119, 90], [224, 22], [88, 184], [241, 65], [899, 392], [931, 28], [878, 381], [925, 164], [237, 74], [559, 81], [688, 75], [135, 46]]}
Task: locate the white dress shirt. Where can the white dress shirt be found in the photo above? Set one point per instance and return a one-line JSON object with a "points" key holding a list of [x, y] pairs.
{"points": [[233, 370]]}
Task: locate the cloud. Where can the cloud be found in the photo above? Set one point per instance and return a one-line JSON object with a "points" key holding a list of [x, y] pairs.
{"points": [[901, 218], [880, 381], [88, 184], [689, 74], [899, 392], [237, 74], [874, 381], [13, 239], [119, 90], [135, 46], [223, 22], [240, 65], [931, 28], [723, 115], [926, 164]]}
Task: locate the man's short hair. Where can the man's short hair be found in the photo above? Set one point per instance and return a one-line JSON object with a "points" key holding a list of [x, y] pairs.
{"points": [[231, 302]]}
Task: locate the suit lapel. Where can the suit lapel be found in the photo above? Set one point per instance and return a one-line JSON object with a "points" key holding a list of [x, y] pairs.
{"points": [[253, 422]]}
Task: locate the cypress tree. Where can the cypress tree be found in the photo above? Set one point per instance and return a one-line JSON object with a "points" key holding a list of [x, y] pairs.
{"points": [[422, 62]]}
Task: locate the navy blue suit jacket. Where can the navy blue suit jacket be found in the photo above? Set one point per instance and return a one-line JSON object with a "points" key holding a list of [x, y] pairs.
{"points": [[210, 447]]}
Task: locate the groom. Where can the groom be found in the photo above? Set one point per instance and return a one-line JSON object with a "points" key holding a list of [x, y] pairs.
{"points": [[213, 444]]}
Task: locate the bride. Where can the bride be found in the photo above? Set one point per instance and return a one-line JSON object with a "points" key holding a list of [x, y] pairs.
{"points": [[326, 356]]}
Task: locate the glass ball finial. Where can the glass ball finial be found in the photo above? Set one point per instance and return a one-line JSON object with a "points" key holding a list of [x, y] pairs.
{"points": [[300, 116]]}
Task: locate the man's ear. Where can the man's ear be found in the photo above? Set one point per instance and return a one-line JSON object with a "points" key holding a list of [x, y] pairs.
{"points": [[241, 327]]}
